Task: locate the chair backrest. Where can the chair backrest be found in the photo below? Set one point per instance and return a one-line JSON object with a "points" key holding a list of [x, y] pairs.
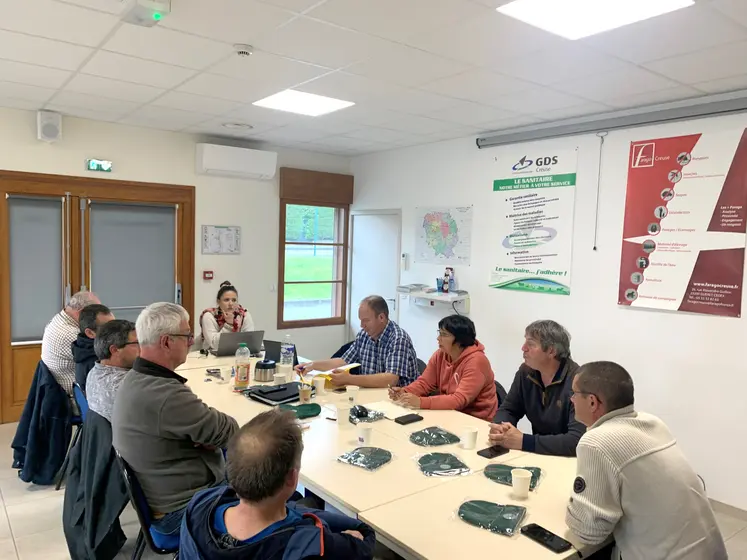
{"points": [[137, 496], [81, 401], [500, 393], [421, 366]]}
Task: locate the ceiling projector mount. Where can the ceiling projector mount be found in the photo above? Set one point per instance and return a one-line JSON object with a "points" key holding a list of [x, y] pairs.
{"points": [[146, 13]]}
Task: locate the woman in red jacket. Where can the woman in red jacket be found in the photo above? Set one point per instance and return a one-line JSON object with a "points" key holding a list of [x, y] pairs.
{"points": [[458, 374]]}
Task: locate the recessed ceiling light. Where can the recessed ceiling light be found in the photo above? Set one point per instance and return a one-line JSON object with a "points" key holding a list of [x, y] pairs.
{"points": [[302, 103], [575, 19], [237, 126]]}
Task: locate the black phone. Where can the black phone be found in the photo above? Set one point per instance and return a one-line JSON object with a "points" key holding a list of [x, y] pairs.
{"points": [[492, 452], [408, 419], [546, 538]]}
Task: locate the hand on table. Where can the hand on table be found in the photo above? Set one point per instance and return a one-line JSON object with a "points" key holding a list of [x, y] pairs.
{"points": [[408, 399], [506, 435], [395, 392], [340, 378], [355, 534]]}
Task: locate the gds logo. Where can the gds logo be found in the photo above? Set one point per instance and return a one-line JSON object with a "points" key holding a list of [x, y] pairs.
{"points": [[525, 162]]}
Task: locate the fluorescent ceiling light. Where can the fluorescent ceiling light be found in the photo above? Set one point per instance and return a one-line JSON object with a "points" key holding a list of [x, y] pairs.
{"points": [[575, 19], [302, 103]]}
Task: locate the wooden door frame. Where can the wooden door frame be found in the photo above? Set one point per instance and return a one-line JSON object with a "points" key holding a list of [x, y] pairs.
{"points": [[19, 183]]}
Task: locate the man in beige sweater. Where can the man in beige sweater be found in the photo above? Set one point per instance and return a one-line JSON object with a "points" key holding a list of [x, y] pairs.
{"points": [[633, 481]]}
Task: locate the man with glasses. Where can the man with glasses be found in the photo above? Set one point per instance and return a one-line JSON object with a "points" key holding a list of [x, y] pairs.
{"points": [[170, 438], [633, 481]]}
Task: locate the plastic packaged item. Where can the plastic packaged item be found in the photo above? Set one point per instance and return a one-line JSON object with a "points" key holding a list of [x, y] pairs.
{"points": [[442, 464], [496, 518], [501, 474], [369, 458], [243, 367], [433, 437], [287, 351], [303, 410], [373, 416]]}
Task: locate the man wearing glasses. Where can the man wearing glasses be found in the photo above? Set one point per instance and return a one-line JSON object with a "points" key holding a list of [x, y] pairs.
{"points": [[169, 437], [632, 479]]}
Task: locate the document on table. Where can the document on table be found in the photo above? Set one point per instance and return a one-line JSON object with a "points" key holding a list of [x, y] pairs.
{"points": [[389, 409], [315, 372]]}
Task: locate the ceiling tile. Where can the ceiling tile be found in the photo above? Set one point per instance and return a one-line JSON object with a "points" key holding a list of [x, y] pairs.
{"points": [[326, 125], [32, 75], [396, 19], [734, 83], [709, 64], [588, 108], [407, 66], [513, 122], [22, 91], [485, 39], [654, 97], [168, 46], [612, 85], [563, 62], [25, 104], [419, 125], [320, 43], [461, 132], [292, 133], [297, 6], [86, 113], [683, 31], [73, 99], [164, 118], [344, 142], [477, 85], [241, 91], [228, 21], [416, 101], [536, 100], [196, 103], [365, 114], [374, 134], [349, 87], [104, 87], [110, 6], [279, 72], [735, 9], [136, 70], [254, 115], [215, 127], [44, 52], [468, 113], [54, 20]]}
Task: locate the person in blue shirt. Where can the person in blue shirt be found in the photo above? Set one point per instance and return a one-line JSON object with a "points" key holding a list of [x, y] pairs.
{"points": [[251, 518], [382, 348]]}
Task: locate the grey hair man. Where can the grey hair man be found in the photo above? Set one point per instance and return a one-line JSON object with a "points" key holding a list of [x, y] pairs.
{"points": [[632, 479], [169, 437], [541, 391], [117, 348], [59, 335]]}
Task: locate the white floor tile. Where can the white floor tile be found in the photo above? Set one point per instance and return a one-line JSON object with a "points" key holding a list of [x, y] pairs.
{"points": [[36, 516], [7, 431], [49, 545], [729, 525], [16, 491], [4, 526], [8, 550], [737, 546]]}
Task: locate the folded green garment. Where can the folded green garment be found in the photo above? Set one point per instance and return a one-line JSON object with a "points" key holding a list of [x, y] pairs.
{"points": [[369, 458], [502, 474], [303, 410], [496, 518], [441, 464], [432, 437]]}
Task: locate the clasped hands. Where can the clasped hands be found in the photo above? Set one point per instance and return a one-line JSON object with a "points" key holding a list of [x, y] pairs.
{"points": [[403, 398], [506, 435]]}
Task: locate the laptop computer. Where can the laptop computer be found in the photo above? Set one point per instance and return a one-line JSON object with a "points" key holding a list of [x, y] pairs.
{"points": [[229, 342], [272, 352], [274, 395]]}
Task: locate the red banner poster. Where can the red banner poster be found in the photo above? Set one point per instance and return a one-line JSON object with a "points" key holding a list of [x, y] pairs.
{"points": [[685, 224]]}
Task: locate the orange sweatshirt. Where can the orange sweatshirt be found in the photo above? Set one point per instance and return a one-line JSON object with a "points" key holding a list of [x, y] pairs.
{"points": [[467, 385]]}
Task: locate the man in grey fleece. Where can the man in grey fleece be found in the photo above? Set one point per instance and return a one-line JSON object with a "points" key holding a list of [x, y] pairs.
{"points": [[541, 391], [170, 438]]}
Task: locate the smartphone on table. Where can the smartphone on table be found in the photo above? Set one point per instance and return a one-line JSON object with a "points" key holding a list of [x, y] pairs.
{"points": [[493, 452], [546, 538]]}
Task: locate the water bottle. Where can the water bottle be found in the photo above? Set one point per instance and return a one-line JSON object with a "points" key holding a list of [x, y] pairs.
{"points": [[287, 350], [243, 365]]}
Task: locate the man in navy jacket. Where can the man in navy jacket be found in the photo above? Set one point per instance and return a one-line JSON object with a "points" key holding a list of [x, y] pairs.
{"points": [[251, 519]]}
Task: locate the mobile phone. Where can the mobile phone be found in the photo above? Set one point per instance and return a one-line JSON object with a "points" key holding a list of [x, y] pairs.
{"points": [[546, 538], [408, 419], [492, 452]]}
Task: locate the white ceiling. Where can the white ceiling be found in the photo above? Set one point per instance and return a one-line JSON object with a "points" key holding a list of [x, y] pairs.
{"points": [[418, 70]]}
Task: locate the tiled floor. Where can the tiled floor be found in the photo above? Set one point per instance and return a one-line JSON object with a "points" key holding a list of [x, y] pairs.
{"points": [[31, 518]]}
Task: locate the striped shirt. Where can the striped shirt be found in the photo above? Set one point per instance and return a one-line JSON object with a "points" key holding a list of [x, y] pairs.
{"points": [[56, 351]]}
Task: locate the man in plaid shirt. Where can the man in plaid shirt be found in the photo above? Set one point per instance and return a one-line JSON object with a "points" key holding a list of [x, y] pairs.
{"points": [[59, 335], [384, 351]]}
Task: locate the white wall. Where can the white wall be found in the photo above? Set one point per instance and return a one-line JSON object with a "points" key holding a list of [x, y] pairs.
{"points": [[691, 373], [141, 154]]}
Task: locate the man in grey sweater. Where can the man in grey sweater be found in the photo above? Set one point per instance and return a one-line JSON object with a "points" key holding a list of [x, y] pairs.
{"points": [[170, 438]]}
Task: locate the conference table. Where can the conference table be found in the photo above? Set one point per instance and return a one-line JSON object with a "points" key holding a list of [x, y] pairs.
{"points": [[414, 515]]}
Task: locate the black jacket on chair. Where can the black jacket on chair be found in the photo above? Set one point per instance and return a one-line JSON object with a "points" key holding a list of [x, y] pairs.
{"points": [[44, 431], [95, 494], [85, 358]]}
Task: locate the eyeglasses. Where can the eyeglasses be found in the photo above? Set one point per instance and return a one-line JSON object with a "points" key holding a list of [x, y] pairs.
{"points": [[574, 393], [130, 343], [443, 334], [189, 336]]}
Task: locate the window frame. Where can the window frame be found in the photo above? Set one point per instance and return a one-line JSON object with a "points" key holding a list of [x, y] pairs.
{"points": [[340, 296]]}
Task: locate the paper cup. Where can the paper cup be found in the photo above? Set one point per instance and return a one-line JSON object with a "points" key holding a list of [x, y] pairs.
{"points": [[285, 369], [352, 391], [364, 434], [343, 414], [304, 394], [278, 379], [469, 438], [319, 385], [520, 480]]}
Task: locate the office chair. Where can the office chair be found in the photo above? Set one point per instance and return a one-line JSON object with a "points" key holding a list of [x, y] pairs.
{"points": [[77, 422]]}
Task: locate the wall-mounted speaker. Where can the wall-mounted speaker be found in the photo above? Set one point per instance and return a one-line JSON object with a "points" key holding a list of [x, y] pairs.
{"points": [[48, 126]]}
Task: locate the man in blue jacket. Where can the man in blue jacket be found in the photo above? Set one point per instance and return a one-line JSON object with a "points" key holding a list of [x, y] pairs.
{"points": [[252, 519]]}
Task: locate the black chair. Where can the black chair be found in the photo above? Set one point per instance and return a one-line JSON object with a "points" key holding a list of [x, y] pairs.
{"points": [[500, 393], [77, 422], [157, 542], [421, 366]]}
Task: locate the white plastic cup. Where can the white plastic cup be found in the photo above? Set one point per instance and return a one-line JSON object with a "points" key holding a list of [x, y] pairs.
{"points": [[278, 379], [520, 480], [352, 391], [364, 434], [343, 415], [469, 438], [285, 369], [319, 385]]}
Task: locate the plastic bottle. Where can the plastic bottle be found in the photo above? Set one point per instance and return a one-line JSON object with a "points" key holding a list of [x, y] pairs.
{"points": [[243, 366], [287, 351]]}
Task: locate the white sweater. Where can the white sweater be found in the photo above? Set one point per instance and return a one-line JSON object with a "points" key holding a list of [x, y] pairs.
{"points": [[634, 482]]}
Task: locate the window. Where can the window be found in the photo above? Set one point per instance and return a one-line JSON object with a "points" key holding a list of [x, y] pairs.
{"points": [[312, 285]]}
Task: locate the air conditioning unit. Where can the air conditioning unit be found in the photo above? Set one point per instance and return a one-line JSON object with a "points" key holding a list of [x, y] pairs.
{"points": [[227, 161]]}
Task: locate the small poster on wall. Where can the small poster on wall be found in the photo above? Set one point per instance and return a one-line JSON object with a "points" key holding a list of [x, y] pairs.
{"points": [[685, 224], [443, 235], [532, 203], [221, 240]]}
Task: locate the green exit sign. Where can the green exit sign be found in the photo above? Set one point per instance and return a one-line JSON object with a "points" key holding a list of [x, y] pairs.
{"points": [[99, 165]]}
